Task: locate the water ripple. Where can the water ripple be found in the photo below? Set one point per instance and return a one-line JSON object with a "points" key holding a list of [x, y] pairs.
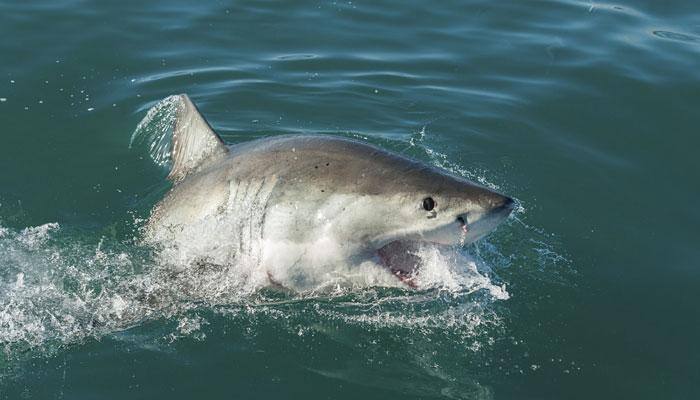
{"points": [[680, 37]]}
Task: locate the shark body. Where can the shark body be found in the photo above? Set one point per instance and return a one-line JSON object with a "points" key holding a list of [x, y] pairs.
{"points": [[304, 209]]}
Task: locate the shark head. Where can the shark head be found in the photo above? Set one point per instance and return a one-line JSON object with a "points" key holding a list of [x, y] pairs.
{"points": [[300, 205], [439, 208], [349, 199], [431, 205]]}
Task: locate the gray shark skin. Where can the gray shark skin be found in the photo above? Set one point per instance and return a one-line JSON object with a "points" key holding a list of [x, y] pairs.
{"points": [[304, 208]]}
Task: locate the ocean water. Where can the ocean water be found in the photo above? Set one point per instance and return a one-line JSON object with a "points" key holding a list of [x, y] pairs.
{"points": [[588, 113]]}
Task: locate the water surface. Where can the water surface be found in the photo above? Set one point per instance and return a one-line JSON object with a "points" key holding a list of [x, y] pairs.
{"points": [[586, 112]]}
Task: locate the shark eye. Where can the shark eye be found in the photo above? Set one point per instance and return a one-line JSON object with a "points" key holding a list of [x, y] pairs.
{"points": [[428, 204]]}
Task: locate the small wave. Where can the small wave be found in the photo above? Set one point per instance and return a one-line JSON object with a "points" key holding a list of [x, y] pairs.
{"points": [[679, 37], [295, 57]]}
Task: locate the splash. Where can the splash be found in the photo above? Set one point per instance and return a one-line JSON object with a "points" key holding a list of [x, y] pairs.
{"points": [[439, 159], [57, 288], [155, 131]]}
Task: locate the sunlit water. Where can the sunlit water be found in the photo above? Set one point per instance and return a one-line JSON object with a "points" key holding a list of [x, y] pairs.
{"points": [[585, 112]]}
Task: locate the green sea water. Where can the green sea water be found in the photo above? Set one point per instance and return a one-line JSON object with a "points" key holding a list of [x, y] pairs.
{"points": [[588, 113]]}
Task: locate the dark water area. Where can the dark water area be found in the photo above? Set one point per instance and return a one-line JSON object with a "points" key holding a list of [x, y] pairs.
{"points": [[587, 113]]}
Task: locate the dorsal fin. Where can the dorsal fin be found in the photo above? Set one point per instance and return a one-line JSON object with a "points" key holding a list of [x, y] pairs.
{"points": [[194, 141]]}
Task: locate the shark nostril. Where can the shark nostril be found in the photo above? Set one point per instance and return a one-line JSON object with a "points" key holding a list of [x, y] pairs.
{"points": [[461, 220]]}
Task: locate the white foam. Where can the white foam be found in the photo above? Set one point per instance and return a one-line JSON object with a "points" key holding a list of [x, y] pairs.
{"points": [[455, 271], [56, 289], [37, 235]]}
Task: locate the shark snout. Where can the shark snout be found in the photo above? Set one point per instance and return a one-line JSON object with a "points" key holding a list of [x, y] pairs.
{"points": [[505, 207], [500, 210], [476, 224]]}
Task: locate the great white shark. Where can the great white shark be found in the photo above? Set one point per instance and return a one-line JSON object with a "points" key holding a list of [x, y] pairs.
{"points": [[301, 209]]}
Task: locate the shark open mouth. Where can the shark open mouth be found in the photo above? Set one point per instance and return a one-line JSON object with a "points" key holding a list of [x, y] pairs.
{"points": [[401, 258]]}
